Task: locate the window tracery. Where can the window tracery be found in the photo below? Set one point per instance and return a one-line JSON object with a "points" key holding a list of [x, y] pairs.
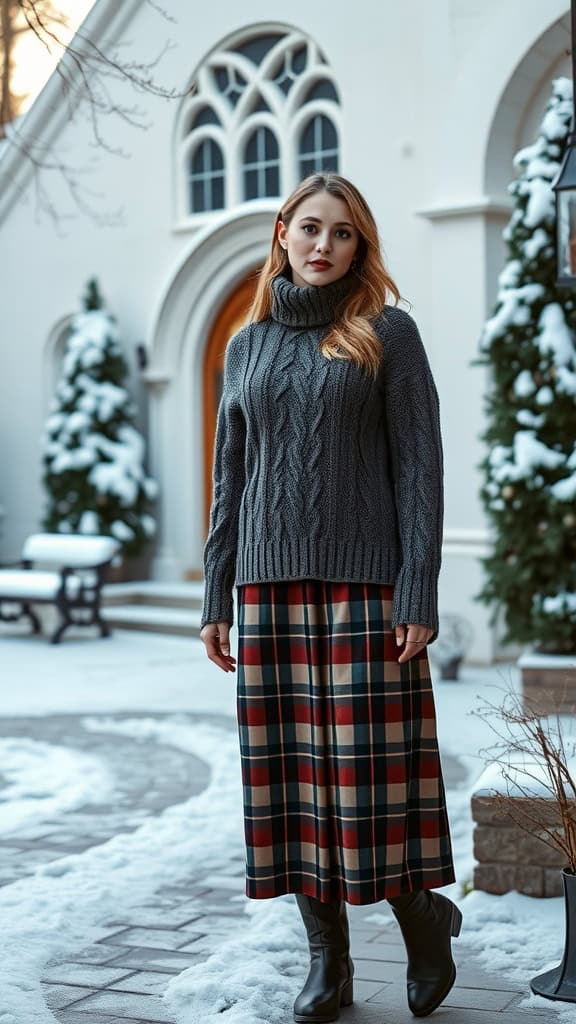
{"points": [[265, 112]]}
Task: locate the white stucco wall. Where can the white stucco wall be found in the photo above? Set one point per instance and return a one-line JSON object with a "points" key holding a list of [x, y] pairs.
{"points": [[436, 98]]}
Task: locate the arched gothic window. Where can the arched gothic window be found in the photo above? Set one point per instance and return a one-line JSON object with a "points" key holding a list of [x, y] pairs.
{"points": [[257, 89]]}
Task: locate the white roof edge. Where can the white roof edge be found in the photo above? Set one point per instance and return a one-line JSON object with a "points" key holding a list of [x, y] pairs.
{"points": [[50, 111]]}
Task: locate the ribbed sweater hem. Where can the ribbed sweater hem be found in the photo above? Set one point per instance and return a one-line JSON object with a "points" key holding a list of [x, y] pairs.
{"points": [[353, 559]]}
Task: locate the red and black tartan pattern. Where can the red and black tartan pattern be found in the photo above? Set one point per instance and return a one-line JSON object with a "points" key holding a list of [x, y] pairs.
{"points": [[342, 782]]}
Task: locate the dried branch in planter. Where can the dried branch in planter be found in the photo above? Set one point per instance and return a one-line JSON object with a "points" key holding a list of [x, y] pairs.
{"points": [[532, 754], [90, 76]]}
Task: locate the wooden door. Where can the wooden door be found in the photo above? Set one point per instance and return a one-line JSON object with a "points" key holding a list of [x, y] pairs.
{"points": [[230, 318]]}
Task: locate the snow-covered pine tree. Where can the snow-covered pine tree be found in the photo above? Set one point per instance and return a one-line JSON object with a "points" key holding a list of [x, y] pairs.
{"points": [[92, 454], [529, 472]]}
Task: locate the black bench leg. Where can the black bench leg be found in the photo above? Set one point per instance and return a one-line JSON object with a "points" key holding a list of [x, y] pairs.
{"points": [[64, 623], [36, 626], [68, 620], [57, 634], [101, 623]]}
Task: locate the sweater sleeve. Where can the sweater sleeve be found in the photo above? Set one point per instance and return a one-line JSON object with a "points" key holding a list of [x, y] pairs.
{"points": [[413, 422], [219, 554]]}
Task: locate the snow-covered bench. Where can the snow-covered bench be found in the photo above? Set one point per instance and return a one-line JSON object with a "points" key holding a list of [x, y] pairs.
{"points": [[73, 581]]}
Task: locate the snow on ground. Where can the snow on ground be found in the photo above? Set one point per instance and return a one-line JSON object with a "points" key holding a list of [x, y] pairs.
{"points": [[44, 780], [60, 908], [255, 976], [129, 671], [63, 905]]}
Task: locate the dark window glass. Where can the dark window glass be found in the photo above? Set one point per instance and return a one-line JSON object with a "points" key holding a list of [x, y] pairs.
{"points": [[256, 49], [230, 83], [218, 193], [198, 159], [322, 90], [284, 82], [221, 76], [318, 146], [272, 181], [250, 185], [204, 116], [260, 104], [270, 145], [328, 139], [261, 164], [197, 195], [251, 151], [307, 140], [299, 60]]}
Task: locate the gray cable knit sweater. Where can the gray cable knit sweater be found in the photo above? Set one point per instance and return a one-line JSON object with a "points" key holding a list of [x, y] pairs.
{"points": [[319, 469]]}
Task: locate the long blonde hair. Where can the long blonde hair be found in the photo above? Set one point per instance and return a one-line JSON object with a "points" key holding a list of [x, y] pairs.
{"points": [[352, 335]]}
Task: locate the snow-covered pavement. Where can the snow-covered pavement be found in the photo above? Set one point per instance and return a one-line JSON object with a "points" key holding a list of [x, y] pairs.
{"points": [[126, 749]]}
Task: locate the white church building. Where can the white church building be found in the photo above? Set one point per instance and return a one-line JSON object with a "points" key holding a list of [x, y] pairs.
{"points": [[423, 105]]}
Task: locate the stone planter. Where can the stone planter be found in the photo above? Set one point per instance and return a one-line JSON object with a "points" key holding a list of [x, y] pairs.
{"points": [[132, 569], [548, 682], [450, 669], [507, 857]]}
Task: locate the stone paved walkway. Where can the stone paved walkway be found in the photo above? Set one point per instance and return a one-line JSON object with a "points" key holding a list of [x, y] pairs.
{"points": [[120, 977]]}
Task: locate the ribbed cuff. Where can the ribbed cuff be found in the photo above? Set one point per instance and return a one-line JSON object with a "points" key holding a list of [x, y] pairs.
{"points": [[218, 600], [416, 598]]}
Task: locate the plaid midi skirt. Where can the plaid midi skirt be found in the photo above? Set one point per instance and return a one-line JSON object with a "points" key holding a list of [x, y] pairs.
{"points": [[341, 776]]}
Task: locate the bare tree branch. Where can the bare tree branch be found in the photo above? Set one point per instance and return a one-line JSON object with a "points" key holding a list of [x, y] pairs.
{"points": [[533, 747], [89, 77]]}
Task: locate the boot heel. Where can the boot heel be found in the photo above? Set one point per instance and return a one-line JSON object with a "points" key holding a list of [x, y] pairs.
{"points": [[456, 923], [347, 994]]}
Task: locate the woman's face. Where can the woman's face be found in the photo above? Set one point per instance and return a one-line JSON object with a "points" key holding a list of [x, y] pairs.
{"points": [[321, 239]]}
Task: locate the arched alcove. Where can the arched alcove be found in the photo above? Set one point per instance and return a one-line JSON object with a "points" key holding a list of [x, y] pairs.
{"points": [[52, 357], [523, 101]]}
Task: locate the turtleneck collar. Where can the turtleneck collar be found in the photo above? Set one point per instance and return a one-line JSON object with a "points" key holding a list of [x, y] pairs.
{"points": [[308, 305]]}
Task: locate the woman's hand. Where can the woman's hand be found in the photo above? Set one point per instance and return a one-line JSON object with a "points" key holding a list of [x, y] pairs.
{"points": [[216, 638], [416, 640]]}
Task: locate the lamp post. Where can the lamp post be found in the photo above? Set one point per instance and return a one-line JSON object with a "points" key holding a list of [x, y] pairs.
{"points": [[565, 188]]}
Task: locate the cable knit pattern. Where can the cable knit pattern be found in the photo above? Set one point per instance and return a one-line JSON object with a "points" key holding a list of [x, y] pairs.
{"points": [[320, 470]]}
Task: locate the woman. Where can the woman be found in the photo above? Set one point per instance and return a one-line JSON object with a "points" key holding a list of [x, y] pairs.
{"points": [[327, 514]]}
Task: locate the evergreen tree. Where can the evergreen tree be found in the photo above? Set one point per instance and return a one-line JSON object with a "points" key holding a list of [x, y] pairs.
{"points": [[92, 454], [529, 472]]}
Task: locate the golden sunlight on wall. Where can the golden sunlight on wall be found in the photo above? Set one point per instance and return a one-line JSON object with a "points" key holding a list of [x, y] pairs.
{"points": [[33, 63]]}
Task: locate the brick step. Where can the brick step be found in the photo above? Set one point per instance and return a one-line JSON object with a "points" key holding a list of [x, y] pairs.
{"points": [[154, 619], [185, 594]]}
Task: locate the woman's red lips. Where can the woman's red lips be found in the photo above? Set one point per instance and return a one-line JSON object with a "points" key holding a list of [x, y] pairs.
{"points": [[321, 264]]}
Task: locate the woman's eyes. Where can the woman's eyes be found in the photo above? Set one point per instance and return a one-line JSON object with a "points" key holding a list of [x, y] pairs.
{"points": [[339, 231]]}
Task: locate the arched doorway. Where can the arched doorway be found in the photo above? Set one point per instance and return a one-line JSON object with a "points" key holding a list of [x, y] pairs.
{"points": [[186, 343], [229, 320]]}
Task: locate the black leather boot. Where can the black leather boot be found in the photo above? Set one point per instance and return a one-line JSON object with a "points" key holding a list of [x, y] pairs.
{"points": [[329, 983], [427, 920]]}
